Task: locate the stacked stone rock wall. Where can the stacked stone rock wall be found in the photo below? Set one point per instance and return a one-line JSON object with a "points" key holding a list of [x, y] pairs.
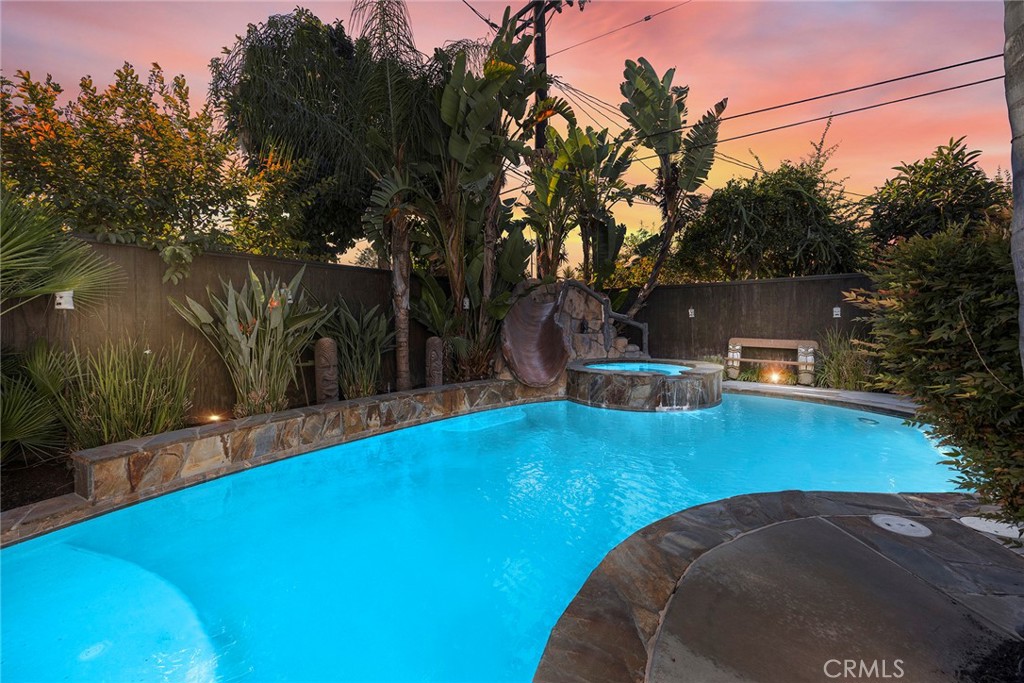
{"points": [[582, 317], [119, 474]]}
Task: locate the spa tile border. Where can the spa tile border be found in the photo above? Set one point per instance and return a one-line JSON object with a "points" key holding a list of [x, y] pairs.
{"points": [[608, 631], [698, 387], [117, 475]]}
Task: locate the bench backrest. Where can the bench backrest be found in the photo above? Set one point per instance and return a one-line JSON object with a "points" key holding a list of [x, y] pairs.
{"points": [[773, 343]]}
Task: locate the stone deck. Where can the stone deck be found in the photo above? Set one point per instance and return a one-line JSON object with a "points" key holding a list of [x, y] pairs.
{"points": [[886, 404], [795, 586]]}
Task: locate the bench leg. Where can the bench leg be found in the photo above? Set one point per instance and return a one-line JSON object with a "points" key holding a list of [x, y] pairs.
{"points": [[732, 363], [805, 371]]}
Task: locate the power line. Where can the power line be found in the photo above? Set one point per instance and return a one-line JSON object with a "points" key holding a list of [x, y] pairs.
{"points": [[737, 162], [484, 19], [838, 92], [516, 189], [848, 111], [865, 87], [583, 104], [750, 167], [616, 30], [595, 101], [577, 104]]}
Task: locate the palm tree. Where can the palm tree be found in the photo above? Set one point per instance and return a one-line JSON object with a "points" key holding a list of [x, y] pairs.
{"points": [[356, 113], [38, 258], [1013, 59], [400, 92], [657, 110], [479, 128]]}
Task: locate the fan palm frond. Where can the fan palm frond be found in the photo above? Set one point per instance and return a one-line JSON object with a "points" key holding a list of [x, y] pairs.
{"points": [[38, 258]]}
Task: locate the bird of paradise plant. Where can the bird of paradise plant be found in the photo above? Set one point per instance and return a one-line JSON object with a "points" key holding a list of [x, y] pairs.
{"points": [[259, 332]]}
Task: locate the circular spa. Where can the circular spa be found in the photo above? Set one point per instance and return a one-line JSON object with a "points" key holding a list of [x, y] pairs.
{"points": [[647, 385]]}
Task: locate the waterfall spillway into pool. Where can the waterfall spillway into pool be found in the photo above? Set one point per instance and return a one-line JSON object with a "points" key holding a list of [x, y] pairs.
{"points": [[645, 385]]}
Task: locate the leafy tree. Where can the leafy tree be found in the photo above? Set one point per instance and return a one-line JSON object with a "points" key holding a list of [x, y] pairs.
{"points": [[268, 221], [295, 86], [359, 124], [636, 259], [791, 221], [480, 127], [927, 196], [657, 110], [944, 330], [131, 163]]}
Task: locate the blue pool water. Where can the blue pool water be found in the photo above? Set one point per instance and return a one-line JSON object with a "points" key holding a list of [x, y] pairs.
{"points": [[625, 366], [444, 552]]}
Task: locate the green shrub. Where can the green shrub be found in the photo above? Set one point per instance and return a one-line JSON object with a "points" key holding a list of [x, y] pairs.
{"points": [[259, 332], [362, 339], [121, 391], [749, 373], [946, 189], [845, 363], [945, 334], [30, 422], [765, 373]]}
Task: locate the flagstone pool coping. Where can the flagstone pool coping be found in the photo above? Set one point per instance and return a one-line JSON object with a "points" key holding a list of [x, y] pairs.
{"points": [[114, 476], [769, 588], [117, 475]]}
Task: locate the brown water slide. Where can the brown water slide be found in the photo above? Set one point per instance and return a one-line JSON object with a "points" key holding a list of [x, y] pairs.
{"points": [[533, 342]]}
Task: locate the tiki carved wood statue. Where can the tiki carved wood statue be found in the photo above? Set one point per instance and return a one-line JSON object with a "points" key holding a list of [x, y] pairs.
{"points": [[325, 353]]}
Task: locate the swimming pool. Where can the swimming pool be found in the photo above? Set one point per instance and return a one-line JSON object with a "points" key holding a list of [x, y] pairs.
{"points": [[444, 552], [640, 366]]}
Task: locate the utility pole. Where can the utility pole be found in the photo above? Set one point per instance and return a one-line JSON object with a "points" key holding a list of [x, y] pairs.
{"points": [[540, 59], [535, 14]]}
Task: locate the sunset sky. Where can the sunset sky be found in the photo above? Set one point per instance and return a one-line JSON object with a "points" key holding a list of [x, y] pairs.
{"points": [[755, 53]]}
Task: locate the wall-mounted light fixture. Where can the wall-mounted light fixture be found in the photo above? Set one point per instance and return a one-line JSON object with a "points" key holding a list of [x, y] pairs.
{"points": [[837, 312], [693, 313], [64, 301]]}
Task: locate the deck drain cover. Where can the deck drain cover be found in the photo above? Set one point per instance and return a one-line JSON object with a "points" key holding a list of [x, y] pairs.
{"points": [[901, 526], [990, 526]]}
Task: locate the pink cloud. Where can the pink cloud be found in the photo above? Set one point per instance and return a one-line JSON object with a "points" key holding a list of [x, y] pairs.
{"points": [[756, 53]]}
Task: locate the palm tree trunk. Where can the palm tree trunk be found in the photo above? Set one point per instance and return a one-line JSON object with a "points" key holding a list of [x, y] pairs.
{"points": [[673, 219], [490, 250], [401, 274], [585, 239], [1013, 27]]}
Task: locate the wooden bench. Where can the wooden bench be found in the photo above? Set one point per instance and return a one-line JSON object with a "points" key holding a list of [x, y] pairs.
{"points": [[804, 363]]}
